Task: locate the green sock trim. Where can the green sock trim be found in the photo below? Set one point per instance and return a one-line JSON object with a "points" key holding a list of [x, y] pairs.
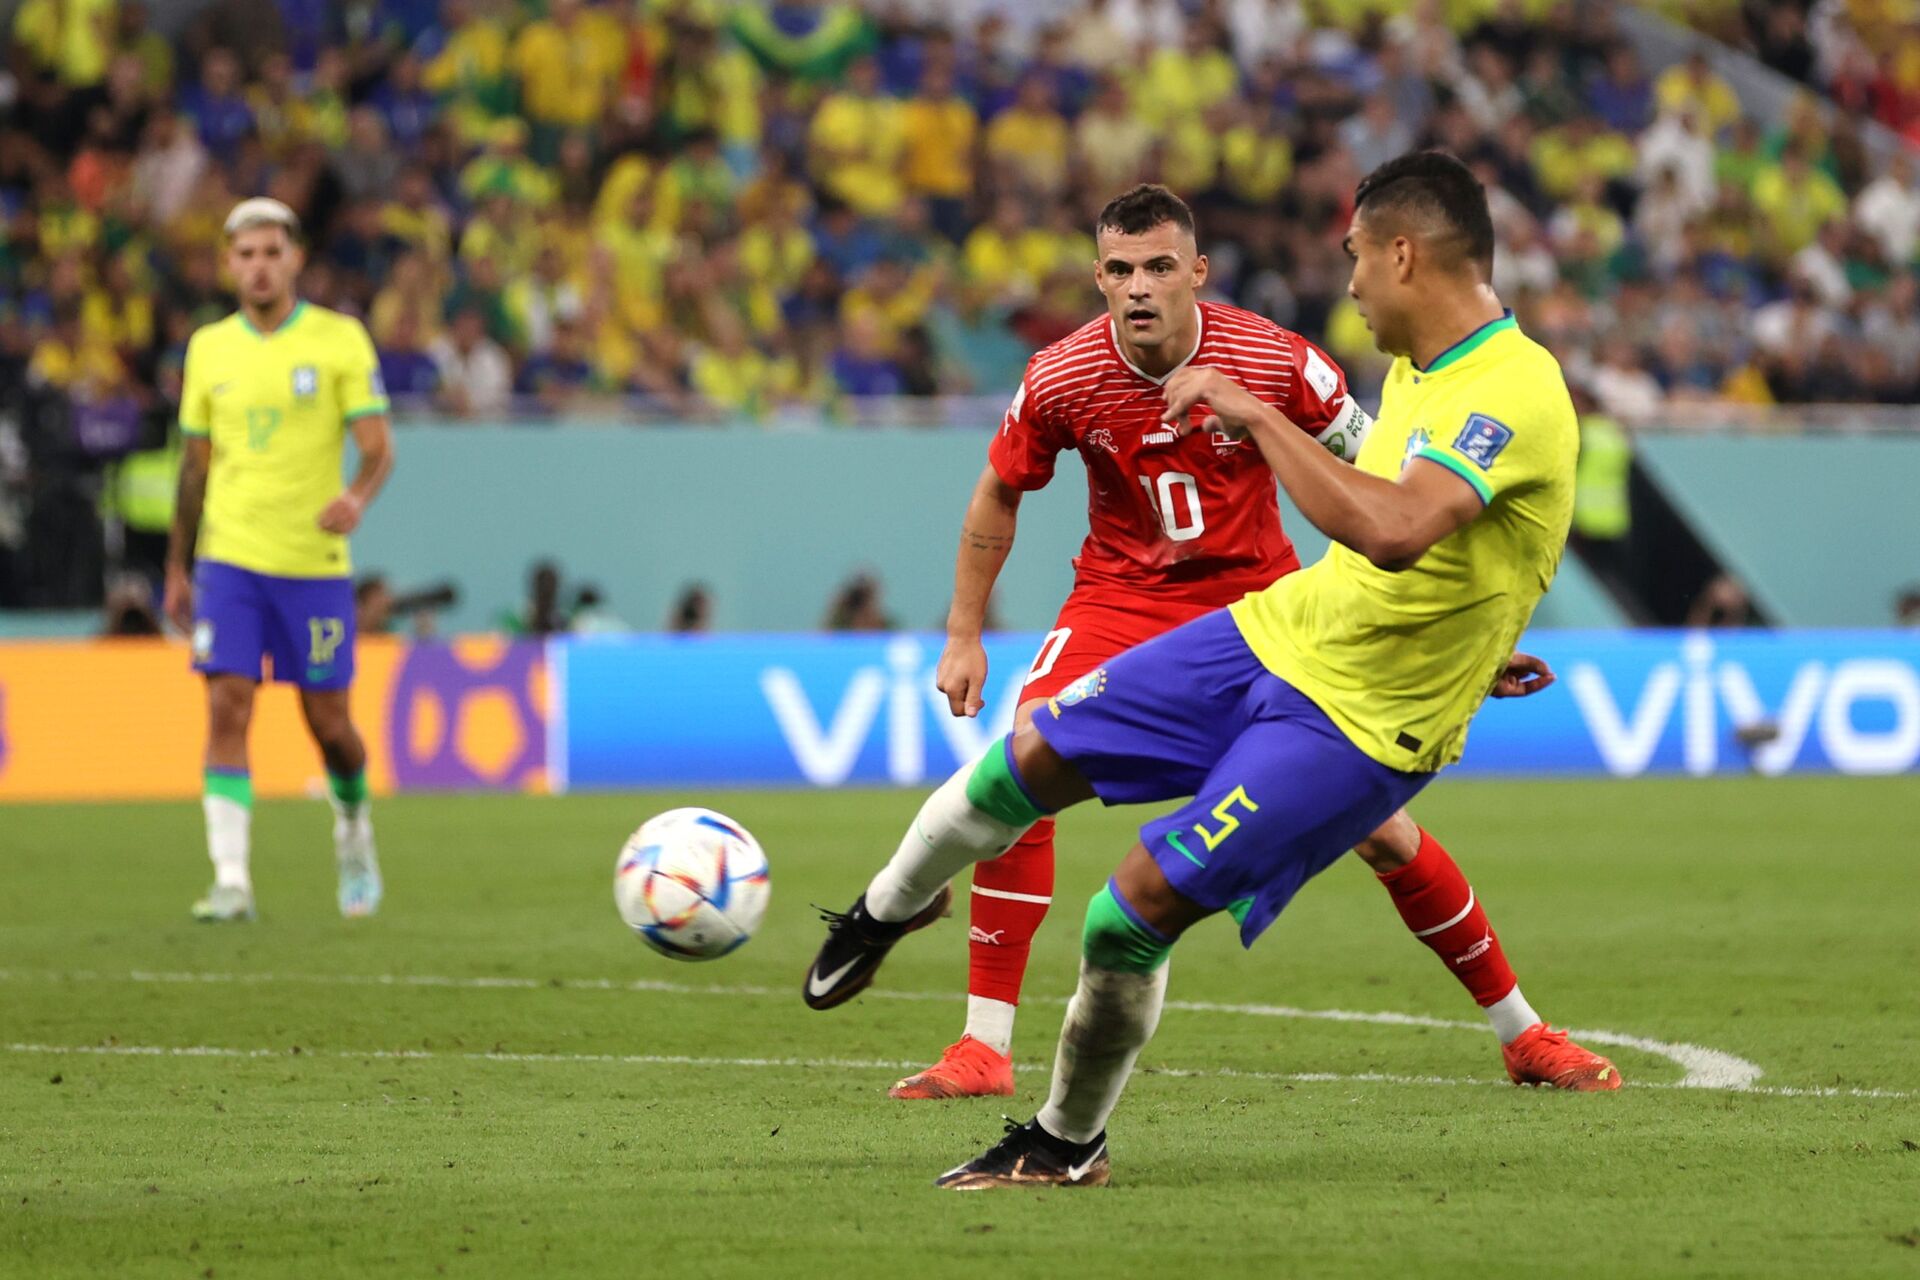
{"points": [[1112, 939], [994, 790], [348, 790], [237, 787]]}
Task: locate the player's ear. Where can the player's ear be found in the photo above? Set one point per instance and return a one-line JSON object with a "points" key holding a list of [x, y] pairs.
{"points": [[1403, 256], [1200, 271]]}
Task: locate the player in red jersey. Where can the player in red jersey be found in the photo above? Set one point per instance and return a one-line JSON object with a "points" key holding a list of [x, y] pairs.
{"points": [[1180, 526]]}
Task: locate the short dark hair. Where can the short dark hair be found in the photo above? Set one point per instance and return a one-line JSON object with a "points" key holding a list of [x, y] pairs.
{"points": [[1140, 210], [1435, 188]]}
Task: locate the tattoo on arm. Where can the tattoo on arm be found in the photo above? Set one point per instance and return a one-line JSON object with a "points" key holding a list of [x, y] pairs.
{"points": [[975, 540], [190, 497]]}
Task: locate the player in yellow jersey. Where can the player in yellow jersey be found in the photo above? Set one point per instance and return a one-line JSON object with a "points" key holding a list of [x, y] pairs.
{"points": [[257, 566], [1304, 716]]}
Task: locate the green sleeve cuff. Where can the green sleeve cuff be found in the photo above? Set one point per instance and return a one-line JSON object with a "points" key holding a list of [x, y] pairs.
{"points": [[368, 411], [1461, 469], [187, 429]]}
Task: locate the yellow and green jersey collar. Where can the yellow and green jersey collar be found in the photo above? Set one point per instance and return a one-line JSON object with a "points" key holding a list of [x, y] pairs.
{"points": [[1468, 345], [299, 308]]}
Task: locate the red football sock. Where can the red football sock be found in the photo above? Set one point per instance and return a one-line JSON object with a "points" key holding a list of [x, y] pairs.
{"points": [[1439, 906], [1009, 900]]}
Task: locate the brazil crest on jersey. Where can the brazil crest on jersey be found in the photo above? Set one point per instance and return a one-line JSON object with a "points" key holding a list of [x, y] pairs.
{"points": [[1401, 661], [276, 407]]}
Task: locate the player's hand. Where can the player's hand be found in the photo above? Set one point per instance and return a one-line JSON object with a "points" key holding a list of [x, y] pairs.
{"points": [[342, 514], [1234, 407], [962, 675], [1525, 676], [176, 600]]}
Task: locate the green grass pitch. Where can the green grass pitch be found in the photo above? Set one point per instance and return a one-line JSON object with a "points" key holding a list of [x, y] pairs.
{"points": [[493, 1078]]}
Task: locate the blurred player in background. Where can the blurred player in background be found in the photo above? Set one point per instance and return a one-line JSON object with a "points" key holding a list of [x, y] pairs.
{"points": [[270, 395], [1180, 526]]}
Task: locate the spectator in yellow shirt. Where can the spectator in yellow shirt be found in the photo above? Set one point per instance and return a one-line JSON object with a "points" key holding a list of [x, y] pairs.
{"points": [[1695, 86], [415, 215], [892, 298], [734, 379], [567, 64], [940, 129], [1029, 140], [468, 72], [1578, 148], [855, 144], [1182, 83], [71, 40], [777, 247], [638, 248], [1794, 202], [503, 168], [1111, 144], [990, 257], [502, 231]]}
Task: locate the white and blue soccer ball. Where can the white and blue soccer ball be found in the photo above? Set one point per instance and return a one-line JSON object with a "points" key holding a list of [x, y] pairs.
{"points": [[692, 884]]}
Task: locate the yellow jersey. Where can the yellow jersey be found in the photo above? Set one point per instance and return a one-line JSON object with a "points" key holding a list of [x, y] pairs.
{"points": [[276, 407], [1401, 661]]}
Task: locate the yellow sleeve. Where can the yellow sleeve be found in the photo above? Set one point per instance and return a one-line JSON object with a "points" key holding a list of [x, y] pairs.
{"points": [[361, 392], [196, 398], [1500, 450]]}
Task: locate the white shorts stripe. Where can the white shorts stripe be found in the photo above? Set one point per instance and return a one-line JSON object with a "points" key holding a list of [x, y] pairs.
{"points": [[1013, 897], [1442, 928]]}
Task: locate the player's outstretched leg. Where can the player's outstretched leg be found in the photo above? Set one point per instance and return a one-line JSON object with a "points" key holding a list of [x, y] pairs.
{"points": [[1442, 911], [227, 801], [345, 756], [1010, 898], [1113, 1013], [976, 814]]}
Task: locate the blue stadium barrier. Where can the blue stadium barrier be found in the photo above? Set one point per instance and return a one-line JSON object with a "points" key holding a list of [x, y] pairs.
{"points": [[781, 710]]}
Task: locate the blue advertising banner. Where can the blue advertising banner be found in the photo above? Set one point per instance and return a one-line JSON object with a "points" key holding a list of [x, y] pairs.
{"points": [[798, 710]]}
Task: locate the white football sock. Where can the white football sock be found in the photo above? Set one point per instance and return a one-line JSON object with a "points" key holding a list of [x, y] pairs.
{"points": [[948, 835], [228, 825], [991, 1023], [1109, 1020], [352, 827], [1511, 1015]]}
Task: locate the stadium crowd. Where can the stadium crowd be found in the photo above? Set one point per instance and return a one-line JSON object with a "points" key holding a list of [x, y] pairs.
{"points": [[714, 209]]}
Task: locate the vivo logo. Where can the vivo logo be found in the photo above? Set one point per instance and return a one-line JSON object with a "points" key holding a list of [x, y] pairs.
{"points": [[826, 746], [1818, 704]]}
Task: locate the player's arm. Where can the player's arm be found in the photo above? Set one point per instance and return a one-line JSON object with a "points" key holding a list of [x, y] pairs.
{"points": [[196, 460], [190, 497], [373, 437], [1390, 522], [986, 536], [363, 399]]}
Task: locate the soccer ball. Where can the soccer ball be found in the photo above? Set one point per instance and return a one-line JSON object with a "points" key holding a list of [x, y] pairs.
{"points": [[692, 884]]}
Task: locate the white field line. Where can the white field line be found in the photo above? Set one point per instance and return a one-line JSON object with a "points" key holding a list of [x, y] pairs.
{"points": [[854, 1064], [1702, 1068]]}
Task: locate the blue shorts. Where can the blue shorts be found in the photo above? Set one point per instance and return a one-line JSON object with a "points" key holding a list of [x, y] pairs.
{"points": [[1279, 793], [304, 625]]}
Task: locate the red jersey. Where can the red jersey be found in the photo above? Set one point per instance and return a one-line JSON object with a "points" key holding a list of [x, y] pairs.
{"points": [[1166, 511]]}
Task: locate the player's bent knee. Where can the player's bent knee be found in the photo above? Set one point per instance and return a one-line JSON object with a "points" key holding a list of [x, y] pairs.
{"points": [[996, 788], [1048, 776], [1114, 938]]}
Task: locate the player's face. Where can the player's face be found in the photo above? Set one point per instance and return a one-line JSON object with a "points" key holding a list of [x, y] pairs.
{"points": [[264, 262], [1377, 286], [1150, 281]]}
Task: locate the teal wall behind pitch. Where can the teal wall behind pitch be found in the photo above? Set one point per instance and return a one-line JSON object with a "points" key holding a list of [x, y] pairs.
{"points": [[771, 521], [1823, 529]]}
